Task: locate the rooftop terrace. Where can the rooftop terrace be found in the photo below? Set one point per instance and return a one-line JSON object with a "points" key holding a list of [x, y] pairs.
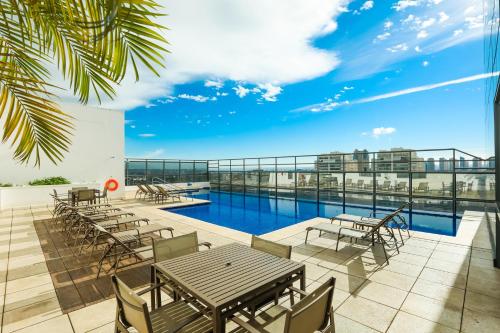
{"points": [[435, 284]]}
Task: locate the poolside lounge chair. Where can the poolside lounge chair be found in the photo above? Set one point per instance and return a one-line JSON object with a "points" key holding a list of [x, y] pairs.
{"points": [[401, 187], [141, 192], [103, 195], [386, 186], [312, 314], [423, 187], [165, 194], [132, 311], [372, 235], [360, 184], [397, 221], [348, 182]]}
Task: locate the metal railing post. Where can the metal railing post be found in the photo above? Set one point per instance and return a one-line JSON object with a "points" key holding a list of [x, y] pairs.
{"points": [[343, 183], [454, 189]]}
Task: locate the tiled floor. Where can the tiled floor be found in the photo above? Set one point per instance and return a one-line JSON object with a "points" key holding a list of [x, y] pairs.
{"points": [[435, 284]]}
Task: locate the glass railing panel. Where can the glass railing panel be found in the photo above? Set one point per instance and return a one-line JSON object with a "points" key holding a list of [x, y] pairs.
{"points": [[285, 167], [359, 182], [136, 172], [330, 181], [476, 186], [358, 199], [432, 205], [285, 193], [328, 196], [306, 194], [392, 183], [252, 178], [267, 179], [154, 172], [307, 180], [237, 178], [285, 179], [462, 206], [432, 184], [225, 177], [285, 160]]}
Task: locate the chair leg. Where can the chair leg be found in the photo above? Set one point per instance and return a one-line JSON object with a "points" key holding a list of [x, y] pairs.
{"points": [[338, 241], [307, 235]]}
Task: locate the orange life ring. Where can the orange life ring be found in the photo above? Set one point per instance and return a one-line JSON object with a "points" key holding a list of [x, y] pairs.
{"points": [[111, 184]]}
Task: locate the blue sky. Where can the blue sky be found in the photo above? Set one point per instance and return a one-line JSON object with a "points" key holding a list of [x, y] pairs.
{"points": [[257, 78]]}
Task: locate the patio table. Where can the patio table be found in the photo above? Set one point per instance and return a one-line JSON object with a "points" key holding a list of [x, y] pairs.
{"points": [[225, 280]]}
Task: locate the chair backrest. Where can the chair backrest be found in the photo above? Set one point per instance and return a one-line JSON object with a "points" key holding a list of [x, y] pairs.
{"points": [[279, 250], [312, 313], [85, 195], [149, 188], [169, 248], [423, 185], [142, 188], [105, 192], [387, 183], [132, 309], [162, 190]]}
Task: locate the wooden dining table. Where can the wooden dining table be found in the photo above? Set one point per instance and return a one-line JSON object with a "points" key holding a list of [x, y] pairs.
{"points": [[227, 279]]}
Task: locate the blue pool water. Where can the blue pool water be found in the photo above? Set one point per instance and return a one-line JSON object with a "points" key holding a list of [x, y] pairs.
{"points": [[259, 215]]}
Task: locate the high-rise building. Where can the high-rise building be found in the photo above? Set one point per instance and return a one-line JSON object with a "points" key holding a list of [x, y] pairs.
{"points": [[398, 160], [461, 162], [430, 164]]}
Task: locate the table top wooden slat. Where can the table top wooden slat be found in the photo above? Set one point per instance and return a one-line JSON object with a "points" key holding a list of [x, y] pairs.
{"points": [[227, 273]]}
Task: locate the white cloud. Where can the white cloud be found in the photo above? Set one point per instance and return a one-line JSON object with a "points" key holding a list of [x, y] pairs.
{"points": [[214, 84], [398, 48], [418, 49], [348, 88], [147, 135], [167, 100], [474, 22], [425, 63], [150, 105], [271, 92], [241, 91], [367, 5], [197, 98], [427, 23], [232, 112], [458, 32], [422, 34], [403, 4], [383, 36], [252, 41], [379, 131], [329, 106], [443, 17], [388, 25], [155, 153]]}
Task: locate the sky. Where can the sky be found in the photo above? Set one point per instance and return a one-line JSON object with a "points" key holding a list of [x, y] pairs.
{"points": [[253, 78]]}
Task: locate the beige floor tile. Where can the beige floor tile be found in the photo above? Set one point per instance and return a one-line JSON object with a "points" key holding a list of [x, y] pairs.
{"points": [[478, 322], [108, 328], [448, 279], [433, 310], [439, 292], [482, 303], [101, 313], [410, 258], [400, 281], [382, 293], [29, 296], [60, 324], [368, 313], [346, 325], [30, 315], [403, 268], [484, 286], [408, 323], [447, 266], [450, 257], [28, 282], [416, 250], [339, 296], [358, 266], [314, 271], [345, 282]]}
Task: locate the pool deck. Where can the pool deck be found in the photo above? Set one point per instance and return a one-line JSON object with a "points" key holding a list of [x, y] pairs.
{"points": [[435, 284]]}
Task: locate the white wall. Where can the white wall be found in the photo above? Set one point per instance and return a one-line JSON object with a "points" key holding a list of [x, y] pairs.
{"points": [[96, 154]]}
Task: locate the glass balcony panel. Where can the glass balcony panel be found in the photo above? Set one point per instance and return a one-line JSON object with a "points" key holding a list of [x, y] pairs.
{"points": [[286, 180], [285, 160], [359, 199], [421, 205], [432, 184], [476, 186], [252, 178], [359, 182], [326, 196], [330, 181], [392, 183], [225, 177], [306, 194], [187, 171], [267, 179], [285, 193], [136, 172], [154, 172], [285, 167], [307, 180], [237, 178]]}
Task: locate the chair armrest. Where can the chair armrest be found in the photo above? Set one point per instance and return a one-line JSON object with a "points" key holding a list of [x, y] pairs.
{"points": [[150, 288], [207, 244], [245, 325], [297, 290]]}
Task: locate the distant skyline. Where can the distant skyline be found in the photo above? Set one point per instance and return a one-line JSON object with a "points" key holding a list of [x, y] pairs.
{"points": [[261, 78]]}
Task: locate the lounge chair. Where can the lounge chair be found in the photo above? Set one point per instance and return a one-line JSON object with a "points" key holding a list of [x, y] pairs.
{"points": [[165, 194], [398, 221], [141, 191], [423, 187], [386, 186], [132, 311], [348, 182], [401, 187], [157, 195], [103, 195], [360, 183], [312, 314], [372, 235]]}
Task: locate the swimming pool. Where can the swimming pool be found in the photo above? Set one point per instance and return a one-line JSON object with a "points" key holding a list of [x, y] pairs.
{"points": [[259, 215]]}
